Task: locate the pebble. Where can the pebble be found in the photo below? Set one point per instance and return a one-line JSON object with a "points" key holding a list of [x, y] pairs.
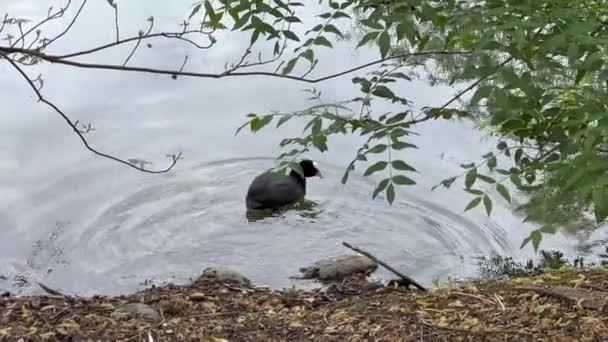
{"points": [[136, 310], [226, 275], [197, 297]]}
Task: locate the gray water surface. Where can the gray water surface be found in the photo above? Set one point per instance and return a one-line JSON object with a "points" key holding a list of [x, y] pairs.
{"points": [[86, 225]]}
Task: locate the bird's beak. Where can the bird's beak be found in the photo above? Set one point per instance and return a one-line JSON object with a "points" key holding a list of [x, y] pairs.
{"points": [[319, 174]]}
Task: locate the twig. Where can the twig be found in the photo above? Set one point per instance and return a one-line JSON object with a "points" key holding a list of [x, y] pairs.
{"points": [[171, 35], [473, 296], [84, 2], [48, 18], [75, 129], [115, 6], [239, 289], [50, 290], [382, 263], [4, 21], [139, 334], [502, 306], [470, 331]]}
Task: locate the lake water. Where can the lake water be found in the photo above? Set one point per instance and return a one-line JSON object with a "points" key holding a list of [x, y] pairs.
{"points": [[87, 225]]}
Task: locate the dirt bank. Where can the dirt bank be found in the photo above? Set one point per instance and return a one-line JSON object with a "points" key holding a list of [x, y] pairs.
{"points": [[524, 309]]}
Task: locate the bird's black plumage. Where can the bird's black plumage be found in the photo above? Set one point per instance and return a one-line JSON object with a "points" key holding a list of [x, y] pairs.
{"points": [[270, 190]]}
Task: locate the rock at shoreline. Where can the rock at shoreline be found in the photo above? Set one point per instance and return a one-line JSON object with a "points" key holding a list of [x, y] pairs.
{"points": [[136, 310], [225, 275], [339, 267]]}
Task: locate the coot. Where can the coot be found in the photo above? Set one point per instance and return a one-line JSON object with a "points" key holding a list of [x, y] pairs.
{"points": [[270, 190]]}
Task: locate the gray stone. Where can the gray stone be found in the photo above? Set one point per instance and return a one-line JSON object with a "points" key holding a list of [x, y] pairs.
{"points": [[339, 267], [136, 310], [226, 275]]}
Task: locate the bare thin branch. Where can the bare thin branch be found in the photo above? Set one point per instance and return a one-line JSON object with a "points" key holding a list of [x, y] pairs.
{"points": [[75, 128], [116, 21], [385, 265], [4, 21], [128, 40], [62, 60], [50, 16], [84, 2]]}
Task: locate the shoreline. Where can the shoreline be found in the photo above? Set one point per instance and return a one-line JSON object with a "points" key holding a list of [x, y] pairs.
{"points": [[563, 304]]}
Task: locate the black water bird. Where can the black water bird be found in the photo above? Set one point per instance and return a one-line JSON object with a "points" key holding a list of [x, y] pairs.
{"points": [[271, 190]]}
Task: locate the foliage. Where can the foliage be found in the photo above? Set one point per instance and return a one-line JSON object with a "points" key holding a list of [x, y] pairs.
{"points": [[531, 72], [536, 77], [499, 267]]}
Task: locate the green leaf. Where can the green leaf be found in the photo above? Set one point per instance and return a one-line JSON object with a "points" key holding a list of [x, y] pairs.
{"points": [[290, 35], [467, 166], [399, 75], [340, 14], [390, 194], [331, 28], [501, 145], [469, 178], [384, 43], [254, 36], [320, 142], [400, 145], [378, 166], [402, 166], [504, 192], [492, 163], [322, 41], [536, 236], [209, 9], [371, 23], [377, 149], [241, 22], [474, 192], [406, 29], [486, 179], [381, 186], [309, 55], [475, 202], [516, 180], [259, 122], [293, 19], [481, 93], [398, 117], [403, 180], [383, 91], [289, 66], [283, 120], [194, 11], [487, 203], [600, 203], [367, 38], [441, 21], [548, 229], [518, 155], [573, 53]]}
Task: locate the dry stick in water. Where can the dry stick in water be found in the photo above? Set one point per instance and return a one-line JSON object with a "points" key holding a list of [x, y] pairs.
{"points": [[385, 265]]}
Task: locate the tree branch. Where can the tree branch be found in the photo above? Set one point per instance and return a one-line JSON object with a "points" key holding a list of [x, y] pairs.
{"points": [[172, 35], [63, 60], [84, 2], [48, 18], [75, 128], [385, 265]]}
